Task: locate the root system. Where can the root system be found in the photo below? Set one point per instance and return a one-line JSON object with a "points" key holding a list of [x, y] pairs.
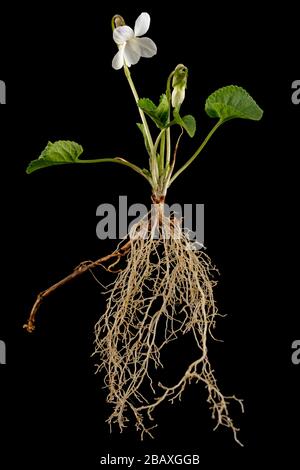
{"points": [[164, 291]]}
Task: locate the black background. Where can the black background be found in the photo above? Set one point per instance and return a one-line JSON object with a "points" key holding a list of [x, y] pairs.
{"points": [[56, 62]]}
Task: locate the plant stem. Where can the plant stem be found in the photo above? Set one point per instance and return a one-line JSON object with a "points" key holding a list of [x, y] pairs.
{"points": [[213, 130], [158, 140], [161, 139], [121, 161], [168, 147], [168, 152], [153, 169], [169, 173], [162, 153]]}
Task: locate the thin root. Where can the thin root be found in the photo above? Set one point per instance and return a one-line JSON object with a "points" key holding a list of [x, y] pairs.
{"points": [[165, 290], [80, 269]]}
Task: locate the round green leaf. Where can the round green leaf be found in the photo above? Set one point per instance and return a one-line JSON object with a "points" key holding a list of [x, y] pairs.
{"points": [[232, 102]]}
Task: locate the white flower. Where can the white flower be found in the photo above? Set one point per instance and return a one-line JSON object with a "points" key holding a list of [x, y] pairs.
{"points": [[131, 46], [178, 95]]}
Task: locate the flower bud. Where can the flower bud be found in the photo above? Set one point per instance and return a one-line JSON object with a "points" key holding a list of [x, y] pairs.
{"points": [[117, 20], [179, 82]]}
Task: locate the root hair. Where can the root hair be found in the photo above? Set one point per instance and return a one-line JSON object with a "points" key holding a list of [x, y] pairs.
{"points": [[165, 290]]}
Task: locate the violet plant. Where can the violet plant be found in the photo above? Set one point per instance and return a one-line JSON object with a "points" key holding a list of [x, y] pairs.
{"points": [[166, 287]]}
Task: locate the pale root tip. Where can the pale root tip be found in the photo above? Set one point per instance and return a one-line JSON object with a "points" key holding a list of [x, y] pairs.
{"points": [[29, 327]]}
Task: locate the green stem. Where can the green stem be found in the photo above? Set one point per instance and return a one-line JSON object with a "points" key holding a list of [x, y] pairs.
{"points": [[158, 140], [153, 166], [121, 161], [162, 153], [136, 97], [168, 152], [153, 161], [213, 130], [169, 173], [168, 146]]}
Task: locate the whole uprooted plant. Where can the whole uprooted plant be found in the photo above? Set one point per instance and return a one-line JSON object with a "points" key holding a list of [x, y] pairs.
{"points": [[166, 287]]}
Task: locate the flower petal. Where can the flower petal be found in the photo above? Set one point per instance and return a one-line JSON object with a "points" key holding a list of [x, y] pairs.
{"points": [[142, 24], [118, 60], [178, 95], [122, 34], [147, 47], [132, 52]]}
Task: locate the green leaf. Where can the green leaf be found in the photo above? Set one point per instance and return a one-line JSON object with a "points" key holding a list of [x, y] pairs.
{"points": [[142, 129], [232, 102], [159, 114], [188, 122], [57, 153], [162, 111], [147, 105]]}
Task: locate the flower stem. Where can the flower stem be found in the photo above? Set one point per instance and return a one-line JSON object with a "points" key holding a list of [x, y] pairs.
{"points": [[162, 153], [168, 146], [154, 167], [184, 167], [169, 174]]}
